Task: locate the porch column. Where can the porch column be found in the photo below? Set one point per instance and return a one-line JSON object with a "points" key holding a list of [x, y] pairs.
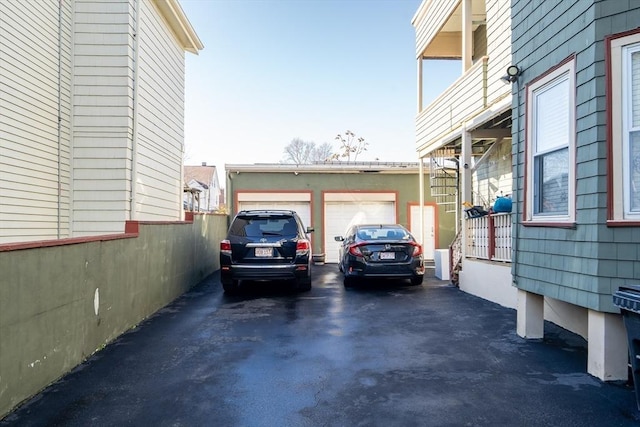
{"points": [[419, 84], [464, 174], [467, 35], [608, 350], [421, 198], [465, 166], [530, 318]]}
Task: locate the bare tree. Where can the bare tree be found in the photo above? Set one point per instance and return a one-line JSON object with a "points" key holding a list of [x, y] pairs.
{"points": [[298, 151], [322, 152], [350, 146]]}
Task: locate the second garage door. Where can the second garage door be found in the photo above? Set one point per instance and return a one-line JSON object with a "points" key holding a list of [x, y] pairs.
{"points": [[340, 215]]}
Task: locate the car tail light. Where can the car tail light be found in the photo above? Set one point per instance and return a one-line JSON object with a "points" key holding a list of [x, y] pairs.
{"points": [[302, 247], [355, 250], [417, 249], [225, 247]]}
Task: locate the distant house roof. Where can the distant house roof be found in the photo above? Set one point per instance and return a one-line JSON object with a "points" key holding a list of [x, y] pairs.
{"points": [[203, 174]]}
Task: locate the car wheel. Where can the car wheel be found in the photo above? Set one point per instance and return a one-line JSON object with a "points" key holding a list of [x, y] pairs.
{"points": [[348, 282], [304, 285], [230, 288], [417, 280]]}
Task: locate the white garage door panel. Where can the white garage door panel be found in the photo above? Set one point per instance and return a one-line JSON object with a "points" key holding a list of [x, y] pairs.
{"points": [[338, 216], [302, 208]]}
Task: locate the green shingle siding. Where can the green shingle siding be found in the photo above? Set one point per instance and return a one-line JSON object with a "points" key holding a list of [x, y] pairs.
{"points": [[584, 265]]}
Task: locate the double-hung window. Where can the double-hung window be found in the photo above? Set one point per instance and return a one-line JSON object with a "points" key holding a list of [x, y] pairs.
{"points": [[551, 147], [624, 129]]}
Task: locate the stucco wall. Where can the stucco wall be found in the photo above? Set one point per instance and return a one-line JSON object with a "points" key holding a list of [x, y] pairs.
{"points": [[59, 304]]}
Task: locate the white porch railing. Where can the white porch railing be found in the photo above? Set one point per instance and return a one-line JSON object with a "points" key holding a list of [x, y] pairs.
{"points": [[489, 237]]}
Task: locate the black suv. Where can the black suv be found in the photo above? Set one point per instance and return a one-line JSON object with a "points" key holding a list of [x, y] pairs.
{"points": [[266, 245]]}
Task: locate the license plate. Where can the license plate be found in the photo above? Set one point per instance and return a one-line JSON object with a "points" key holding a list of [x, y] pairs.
{"points": [[387, 255], [264, 252]]}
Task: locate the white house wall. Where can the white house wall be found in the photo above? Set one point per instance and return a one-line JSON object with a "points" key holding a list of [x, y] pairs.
{"points": [[123, 132], [103, 120], [34, 93], [498, 48], [160, 125]]}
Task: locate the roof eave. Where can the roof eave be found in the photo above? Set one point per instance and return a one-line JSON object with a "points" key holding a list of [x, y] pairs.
{"points": [[179, 24]]}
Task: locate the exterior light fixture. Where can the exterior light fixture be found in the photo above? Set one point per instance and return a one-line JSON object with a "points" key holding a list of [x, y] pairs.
{"points": [[513, 71]]}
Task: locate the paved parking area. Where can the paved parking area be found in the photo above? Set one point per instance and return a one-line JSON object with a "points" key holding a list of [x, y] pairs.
{"points": [[388, 354]]}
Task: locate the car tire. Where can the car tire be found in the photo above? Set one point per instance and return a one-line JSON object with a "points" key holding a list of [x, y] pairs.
{"points": [[417, 280], [230, 288], [348, 282], [304, 285]]}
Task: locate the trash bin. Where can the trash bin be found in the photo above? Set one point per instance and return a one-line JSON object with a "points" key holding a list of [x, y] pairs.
{"points": [[628, 299]]}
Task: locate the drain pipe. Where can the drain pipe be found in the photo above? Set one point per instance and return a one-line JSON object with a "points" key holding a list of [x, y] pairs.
{"points": [[517, 222], [59, 136]]}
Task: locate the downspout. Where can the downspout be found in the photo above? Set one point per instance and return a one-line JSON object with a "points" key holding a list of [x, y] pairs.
{"points": [[134, 130], [59, 136], [514, 256]]}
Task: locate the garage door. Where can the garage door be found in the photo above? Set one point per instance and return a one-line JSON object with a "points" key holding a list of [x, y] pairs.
{"points": [[302, 208], [299, 202], [340, 215]]}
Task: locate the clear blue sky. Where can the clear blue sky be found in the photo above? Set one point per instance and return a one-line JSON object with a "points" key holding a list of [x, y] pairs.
{"points": [[275, 70]]}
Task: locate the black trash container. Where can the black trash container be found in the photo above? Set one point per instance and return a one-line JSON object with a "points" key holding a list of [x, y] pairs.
{"points": [[627, 298]]}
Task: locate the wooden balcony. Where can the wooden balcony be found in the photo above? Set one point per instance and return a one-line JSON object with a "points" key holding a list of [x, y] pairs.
{"points": [[464, 99]]}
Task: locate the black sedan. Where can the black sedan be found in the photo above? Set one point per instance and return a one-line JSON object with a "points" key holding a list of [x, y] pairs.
{"points": [[380, 251]]}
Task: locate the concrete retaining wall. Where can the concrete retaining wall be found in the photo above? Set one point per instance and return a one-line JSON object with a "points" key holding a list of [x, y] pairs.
{"points": [[60, 301]]}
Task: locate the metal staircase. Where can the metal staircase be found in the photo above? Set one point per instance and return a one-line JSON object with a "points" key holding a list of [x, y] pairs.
{"points": [[443, 179]]}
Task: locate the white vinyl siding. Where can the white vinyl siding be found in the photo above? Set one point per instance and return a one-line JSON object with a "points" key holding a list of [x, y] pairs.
{"points": [[34, 95], [551, 147], [103, 116], [111, 147], [498, 48], [432, 17], [160, 125], [74, 135]]}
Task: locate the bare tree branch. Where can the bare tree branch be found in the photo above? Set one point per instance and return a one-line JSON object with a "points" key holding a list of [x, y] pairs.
{"points": [[350, 146]]}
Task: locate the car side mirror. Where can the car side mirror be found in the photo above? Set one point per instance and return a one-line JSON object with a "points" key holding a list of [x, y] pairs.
{"points": [[310, 230], [338, 239]]}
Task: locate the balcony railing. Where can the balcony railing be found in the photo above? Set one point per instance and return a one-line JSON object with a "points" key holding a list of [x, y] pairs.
{"points": [[489, 237], [462, 100]]}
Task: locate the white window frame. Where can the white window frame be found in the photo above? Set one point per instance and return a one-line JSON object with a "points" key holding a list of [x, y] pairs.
{"points": [[564, 73], [621, 126]]}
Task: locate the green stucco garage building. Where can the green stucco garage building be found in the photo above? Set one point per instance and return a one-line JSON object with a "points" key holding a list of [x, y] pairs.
{"points": [[331, 196]]}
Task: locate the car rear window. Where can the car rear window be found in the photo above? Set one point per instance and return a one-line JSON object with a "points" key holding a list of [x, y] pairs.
{"points": [[252, 226], [382, 234]]}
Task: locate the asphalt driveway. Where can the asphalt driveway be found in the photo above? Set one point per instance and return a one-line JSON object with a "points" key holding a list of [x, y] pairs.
{"points": [[387, 355]]}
